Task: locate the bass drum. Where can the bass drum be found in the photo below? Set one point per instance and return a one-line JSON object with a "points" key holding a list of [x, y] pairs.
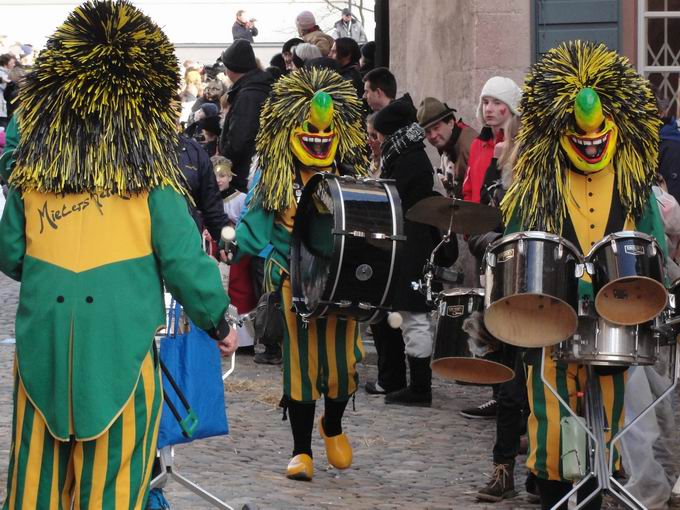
{"points": [[346, 244], [451, 358]]}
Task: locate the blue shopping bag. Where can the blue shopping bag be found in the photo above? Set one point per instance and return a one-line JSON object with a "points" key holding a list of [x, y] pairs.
{"points": [[192, 360]]}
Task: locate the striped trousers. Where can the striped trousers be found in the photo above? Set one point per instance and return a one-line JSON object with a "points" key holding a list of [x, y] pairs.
{"points": [[109, 472], [543, 427], [319, 356]]}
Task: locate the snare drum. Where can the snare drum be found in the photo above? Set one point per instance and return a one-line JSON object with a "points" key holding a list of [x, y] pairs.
{"points": [[532, 289], [598, 342], [346, 242], [627, 270], [451, 358]]}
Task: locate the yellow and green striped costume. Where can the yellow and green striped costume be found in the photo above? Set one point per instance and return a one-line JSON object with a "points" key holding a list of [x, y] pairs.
{"points": [[594, 211], [319, 356]]}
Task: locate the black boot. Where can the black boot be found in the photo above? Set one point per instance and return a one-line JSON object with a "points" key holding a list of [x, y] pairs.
{"points": [[419, 391], [502, 483], [270, 356]]}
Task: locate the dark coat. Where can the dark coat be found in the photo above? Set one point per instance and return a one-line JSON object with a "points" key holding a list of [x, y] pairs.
{"points": [[198, 171], [350, 72], [238, 31], [413, 174], [11, 95], [669, 157], [237, 141]]}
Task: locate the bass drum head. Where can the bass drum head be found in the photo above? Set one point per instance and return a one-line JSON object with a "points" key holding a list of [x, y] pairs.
{"points": [[531, 320], [632, 300], [314, 243], [472, 370]]}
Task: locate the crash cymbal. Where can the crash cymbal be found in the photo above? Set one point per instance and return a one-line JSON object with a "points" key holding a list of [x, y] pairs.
{"points": [[464, 217]]}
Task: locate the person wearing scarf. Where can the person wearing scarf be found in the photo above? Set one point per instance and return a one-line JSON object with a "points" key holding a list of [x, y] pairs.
{"points": [[404, 160]]}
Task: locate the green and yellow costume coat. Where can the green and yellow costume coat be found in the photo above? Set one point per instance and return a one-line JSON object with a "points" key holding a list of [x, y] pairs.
{"points": [[92, 269], [96, 223]]}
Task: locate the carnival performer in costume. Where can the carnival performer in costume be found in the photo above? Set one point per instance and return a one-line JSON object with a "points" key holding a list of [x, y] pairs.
{"points": [[96, 222], [311, 120], [586, 162]]}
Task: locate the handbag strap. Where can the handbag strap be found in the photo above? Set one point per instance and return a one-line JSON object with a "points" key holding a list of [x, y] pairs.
{"points": [[174, 315]]}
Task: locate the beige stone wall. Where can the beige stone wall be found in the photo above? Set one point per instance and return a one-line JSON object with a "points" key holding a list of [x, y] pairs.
{"points": [[449, 48]]}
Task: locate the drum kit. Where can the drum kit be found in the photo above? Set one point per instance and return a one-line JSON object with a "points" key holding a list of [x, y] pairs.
{"points": [[346, 246], [347, 243], [532, 299]]}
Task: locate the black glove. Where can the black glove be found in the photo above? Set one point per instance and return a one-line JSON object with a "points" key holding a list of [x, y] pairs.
{"points": [[220, 331]]}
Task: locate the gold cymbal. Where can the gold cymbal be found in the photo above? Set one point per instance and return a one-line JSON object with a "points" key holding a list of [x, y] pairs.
{"points": [[461, 216]]}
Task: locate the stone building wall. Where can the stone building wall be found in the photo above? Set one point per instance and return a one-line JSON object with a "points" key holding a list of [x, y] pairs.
{"points": [[449, 48]]}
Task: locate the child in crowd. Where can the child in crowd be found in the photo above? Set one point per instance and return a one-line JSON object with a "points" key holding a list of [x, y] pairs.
{"points": [[237, 276]]}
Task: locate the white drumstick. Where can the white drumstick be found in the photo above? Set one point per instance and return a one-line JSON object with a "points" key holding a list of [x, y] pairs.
{"points": [[395, 320], [228, 234]]}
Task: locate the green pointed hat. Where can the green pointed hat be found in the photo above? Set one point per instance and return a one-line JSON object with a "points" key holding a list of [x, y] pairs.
{"points": [[98, 110]]}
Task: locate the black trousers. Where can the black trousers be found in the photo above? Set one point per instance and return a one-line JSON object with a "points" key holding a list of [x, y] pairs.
{"points": [[512, 411], [389, 344]]}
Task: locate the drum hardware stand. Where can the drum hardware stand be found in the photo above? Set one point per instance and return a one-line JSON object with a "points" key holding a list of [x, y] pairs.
{"points": [[600, 467], [430, 270]]}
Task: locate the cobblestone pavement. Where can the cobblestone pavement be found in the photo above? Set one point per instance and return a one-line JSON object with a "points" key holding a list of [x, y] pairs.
{"points": [[421, 458]]}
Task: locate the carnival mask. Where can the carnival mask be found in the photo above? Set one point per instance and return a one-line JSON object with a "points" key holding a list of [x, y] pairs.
{"points": [[591, 144], [314, 143]]}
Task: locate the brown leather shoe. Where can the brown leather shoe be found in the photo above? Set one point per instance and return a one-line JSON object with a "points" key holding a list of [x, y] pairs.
{"points": [[338, 449]]}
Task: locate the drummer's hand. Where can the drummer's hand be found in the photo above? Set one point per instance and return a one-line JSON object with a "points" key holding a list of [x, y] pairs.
{"points": [[498, 149], [228, 344]]}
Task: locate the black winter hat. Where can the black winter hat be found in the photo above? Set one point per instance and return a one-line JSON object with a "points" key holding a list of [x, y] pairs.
{"points": [[239, 57], [396, 115], [210, 124], [368, 51]]}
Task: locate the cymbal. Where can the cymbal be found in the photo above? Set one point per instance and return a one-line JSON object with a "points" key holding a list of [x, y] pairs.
{"points": [[462, 216]]}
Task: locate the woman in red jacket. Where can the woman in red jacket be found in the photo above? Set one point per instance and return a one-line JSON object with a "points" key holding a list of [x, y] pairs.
{"points": [[497, 103]]}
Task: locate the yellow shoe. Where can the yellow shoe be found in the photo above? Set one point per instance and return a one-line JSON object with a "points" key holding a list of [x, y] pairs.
{"points": [[338, 449], [300, 467]]}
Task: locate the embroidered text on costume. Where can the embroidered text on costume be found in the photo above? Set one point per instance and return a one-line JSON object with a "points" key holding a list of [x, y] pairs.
{"points": [[53, 216]]}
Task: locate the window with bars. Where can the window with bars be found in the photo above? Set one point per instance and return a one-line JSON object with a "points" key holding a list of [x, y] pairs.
{"points": [[659, 48]]}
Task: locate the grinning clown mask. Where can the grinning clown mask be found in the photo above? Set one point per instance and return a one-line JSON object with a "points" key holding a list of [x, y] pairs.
{"points": [[315, 142], [591, 143]]}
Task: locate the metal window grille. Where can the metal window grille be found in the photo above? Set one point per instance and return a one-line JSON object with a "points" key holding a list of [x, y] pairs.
{"points": [[659, 48]]}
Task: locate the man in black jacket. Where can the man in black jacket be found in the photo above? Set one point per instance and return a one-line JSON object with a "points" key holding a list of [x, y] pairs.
{"points": [[404, 160], [198, 171], [251, 87], [243, 28]]}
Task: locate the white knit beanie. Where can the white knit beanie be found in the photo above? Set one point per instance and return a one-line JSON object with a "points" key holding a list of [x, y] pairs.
{"points": [[503, 89]]}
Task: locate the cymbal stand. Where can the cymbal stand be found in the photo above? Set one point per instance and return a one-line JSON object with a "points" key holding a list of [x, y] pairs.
{"points": [[600, 466], [429, 269]]}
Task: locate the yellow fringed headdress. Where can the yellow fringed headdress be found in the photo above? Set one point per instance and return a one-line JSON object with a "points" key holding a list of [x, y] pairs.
{"points": [[98, 110], [547, 106], [287, 108]]}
